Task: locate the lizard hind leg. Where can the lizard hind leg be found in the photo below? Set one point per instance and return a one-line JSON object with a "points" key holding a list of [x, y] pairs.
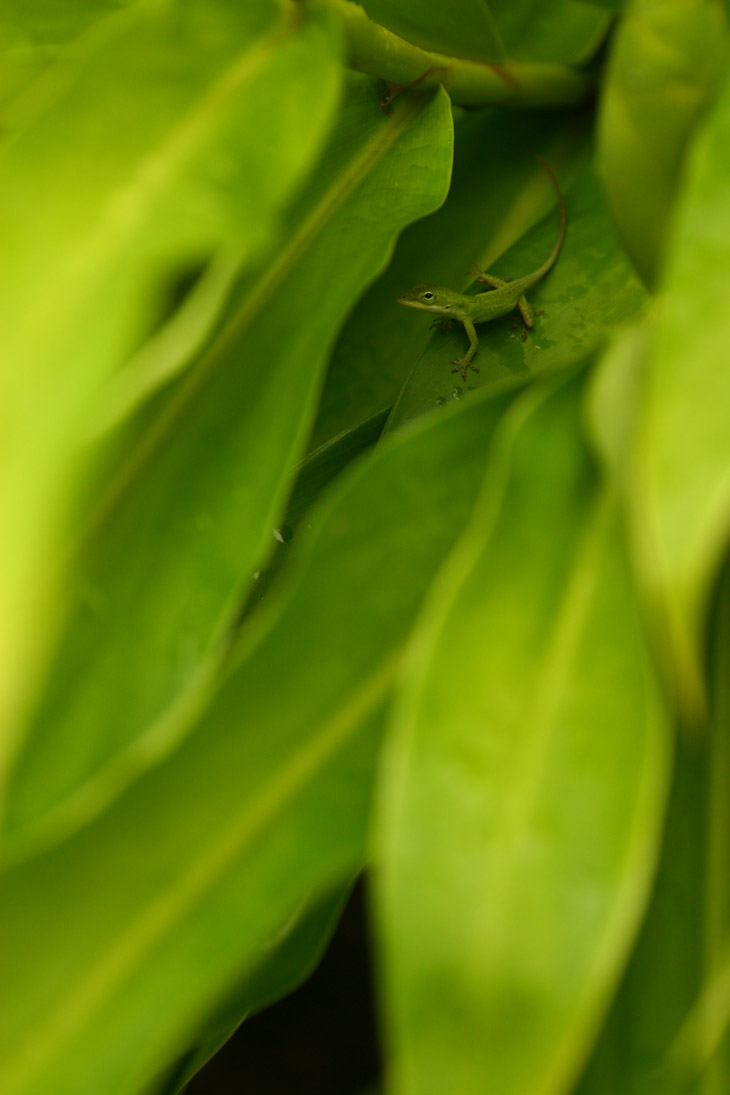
{"points": [[528, 314], [489, 279], [526, 311]]}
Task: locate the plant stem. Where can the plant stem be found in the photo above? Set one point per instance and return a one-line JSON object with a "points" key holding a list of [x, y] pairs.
{"points": [[376, 50]]}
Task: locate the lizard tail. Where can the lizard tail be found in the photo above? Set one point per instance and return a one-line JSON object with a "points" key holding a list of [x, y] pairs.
{"points": [[561, 234]]}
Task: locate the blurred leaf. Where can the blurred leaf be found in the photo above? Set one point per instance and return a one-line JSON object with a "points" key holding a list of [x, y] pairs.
{"points": [[291, 962], [192, 514], [172, 348], [461, 28], [19, 68], [495, 196], [591, 288], [323, 465], [526, 30], [701, 1047], [524, 789], [38, 22], [133, 930], [292, 953], [665, 64], [176, 893], [665, 971], [615, 398], [314, 475], [550, 30], [667, 1034], [33, 34], [682, 468], [373, 48], [136, 192]]}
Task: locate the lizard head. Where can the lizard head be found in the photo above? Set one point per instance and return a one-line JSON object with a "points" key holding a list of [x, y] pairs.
{"points": [[431, 298]]}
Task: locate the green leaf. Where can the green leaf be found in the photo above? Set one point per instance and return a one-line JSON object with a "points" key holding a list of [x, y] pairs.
{"points": [[701, 1047], [682, 457], [524, 786], [550, 30], [38, 22], [589, 291], [666, 969], [373, 48], [668, 1031], [527, 30], [615, 399], [314, 475], [136, 195], [665, 64], [461, 28], [34, 33], [191, 516], [495, 196], [292, 960], [170, 349], [183, 879]]}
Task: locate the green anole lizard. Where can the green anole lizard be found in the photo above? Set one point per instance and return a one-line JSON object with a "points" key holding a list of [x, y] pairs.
{"points": [[502, 298]]}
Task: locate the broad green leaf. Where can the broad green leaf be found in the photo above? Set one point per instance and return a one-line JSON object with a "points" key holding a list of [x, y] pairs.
{"points": [[495, 196], [179, 883], [524, 782], [682, 461], [136, 194], [665, 64], [550, 30], [191, 516], [588, 292], [461, 28]]}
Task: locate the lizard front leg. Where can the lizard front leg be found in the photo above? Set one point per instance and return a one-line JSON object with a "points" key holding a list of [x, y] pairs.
{"points": [[463, 363]]}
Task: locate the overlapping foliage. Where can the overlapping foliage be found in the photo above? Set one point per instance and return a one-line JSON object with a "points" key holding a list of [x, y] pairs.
{"points": [[282, 599]]}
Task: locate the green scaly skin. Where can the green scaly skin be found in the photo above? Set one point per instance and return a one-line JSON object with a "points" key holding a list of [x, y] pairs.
{"points": [[503, 297]]}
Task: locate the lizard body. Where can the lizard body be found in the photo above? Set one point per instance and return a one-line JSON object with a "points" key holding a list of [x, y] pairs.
{"points": [[503, 297]]}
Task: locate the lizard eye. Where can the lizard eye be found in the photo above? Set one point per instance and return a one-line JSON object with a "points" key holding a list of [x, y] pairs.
{"points": [[428, 296]]}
